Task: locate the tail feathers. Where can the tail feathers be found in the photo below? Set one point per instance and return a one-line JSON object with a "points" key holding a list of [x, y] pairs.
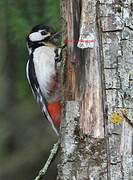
{"points": [[43, 103], [49, 118]]}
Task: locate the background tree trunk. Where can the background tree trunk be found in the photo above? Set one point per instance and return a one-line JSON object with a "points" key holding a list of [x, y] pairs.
{"points": [[97, 127]]}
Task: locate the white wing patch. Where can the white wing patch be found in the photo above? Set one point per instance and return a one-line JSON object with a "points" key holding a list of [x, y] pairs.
{"points": [[27, 74]]}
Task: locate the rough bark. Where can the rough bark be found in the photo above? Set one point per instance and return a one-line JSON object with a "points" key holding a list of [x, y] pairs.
{"points": [[117, 41], [97, 127]]}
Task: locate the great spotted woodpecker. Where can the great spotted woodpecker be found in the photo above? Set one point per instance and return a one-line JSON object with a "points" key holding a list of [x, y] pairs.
{"points": [[43, 72]]}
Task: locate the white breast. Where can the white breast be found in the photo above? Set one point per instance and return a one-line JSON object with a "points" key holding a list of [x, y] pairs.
{"points": [[44, 63]]}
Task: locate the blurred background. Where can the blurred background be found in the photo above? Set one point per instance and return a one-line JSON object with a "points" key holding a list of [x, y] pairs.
{"points": [[25, 138]]}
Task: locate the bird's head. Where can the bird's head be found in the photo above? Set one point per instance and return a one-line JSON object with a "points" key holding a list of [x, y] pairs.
{"points": [[42, 34]]}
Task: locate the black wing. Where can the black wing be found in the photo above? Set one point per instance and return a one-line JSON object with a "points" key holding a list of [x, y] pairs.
{"points": [[31, 76]]}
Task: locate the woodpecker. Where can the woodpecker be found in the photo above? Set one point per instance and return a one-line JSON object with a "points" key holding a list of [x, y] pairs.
{"points": [[43, 71]]}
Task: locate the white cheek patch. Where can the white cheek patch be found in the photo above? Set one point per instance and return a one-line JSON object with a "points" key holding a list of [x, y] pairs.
{"points": [[36, 36]]}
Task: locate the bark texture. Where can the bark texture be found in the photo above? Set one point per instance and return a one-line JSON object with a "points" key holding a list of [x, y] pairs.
{"points": [[117, 43], [97, 128]]}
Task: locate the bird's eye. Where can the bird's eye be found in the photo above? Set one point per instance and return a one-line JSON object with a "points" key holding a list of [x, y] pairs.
{"points": [[43, 32]]}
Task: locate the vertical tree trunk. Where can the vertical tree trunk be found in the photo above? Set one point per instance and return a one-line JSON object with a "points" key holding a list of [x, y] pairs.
{"points": [[97, 127]]}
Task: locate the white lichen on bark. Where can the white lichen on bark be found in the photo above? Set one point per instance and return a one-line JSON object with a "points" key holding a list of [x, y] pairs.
{"points": [[117, 42], [68, 139]]}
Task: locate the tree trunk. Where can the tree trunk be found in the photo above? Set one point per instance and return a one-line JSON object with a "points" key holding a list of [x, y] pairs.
{"points": [[97, 127]]}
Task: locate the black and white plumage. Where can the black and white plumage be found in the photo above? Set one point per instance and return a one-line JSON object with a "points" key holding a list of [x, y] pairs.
{"points": [[42, 69]]}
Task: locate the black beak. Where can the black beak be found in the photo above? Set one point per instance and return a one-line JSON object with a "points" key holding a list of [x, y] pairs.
{"points": [[56, 35]]}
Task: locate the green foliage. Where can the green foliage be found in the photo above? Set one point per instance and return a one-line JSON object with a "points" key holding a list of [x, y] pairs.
{"points": [[20, 18], [52, 9]]}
